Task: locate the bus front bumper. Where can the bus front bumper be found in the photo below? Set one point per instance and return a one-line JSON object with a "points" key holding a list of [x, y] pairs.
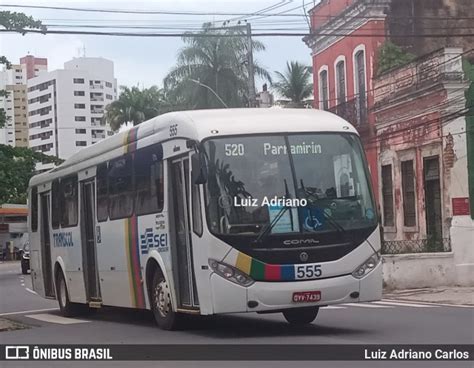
{"points": [[229, 297]]}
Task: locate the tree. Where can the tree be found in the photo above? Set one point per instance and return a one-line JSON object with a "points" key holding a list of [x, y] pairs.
{"points": [[213, 63], [134, 106], [295, 82], [392, 56], [17, 166], [4, 93], [19, 22]]}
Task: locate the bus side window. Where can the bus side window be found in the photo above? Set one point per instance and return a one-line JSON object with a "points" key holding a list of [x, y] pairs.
{"points": [[55, 208], [149, 180], [69, 201], [102, 193], [196, 208], [120, 184], [34, 209]]}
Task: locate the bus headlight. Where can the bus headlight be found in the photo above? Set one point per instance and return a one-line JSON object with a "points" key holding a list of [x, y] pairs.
{"points": [[230, 273], [367, 266]]}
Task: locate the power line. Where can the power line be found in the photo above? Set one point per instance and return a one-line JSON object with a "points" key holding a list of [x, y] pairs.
{"points": [[201, 13], [257, 34]]}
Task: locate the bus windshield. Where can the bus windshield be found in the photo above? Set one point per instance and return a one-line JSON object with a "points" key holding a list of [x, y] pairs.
{"points": [[315, 182]]}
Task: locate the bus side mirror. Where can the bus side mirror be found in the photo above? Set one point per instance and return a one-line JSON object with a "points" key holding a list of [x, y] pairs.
{"points": [[198, 169]]}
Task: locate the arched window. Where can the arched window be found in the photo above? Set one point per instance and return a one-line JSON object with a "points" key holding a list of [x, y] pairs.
{"points": [[361, 89], [341, 82], [323, 90]]}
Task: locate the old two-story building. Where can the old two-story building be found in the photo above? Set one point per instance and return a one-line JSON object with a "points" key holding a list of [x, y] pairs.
{"points": [[420, 119], [345, 37]]}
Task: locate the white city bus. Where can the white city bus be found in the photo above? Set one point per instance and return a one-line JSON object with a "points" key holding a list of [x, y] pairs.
{"points": [[209, 212]]}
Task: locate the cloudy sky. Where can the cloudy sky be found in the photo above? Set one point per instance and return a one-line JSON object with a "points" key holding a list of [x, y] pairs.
{"points": [[145, 61]]}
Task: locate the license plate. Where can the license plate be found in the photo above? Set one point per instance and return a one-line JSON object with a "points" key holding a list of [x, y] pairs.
{"points": [[306, 296]]}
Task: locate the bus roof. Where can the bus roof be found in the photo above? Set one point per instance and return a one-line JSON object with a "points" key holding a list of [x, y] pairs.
{"points": [[200, 124]]}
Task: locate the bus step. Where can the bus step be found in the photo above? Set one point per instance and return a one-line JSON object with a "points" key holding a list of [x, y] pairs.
{"points": [[95, 304]]}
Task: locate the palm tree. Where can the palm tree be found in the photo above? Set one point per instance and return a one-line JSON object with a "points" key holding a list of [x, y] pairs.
{"points": [[211, 70], [134, 106], [295, 83]]}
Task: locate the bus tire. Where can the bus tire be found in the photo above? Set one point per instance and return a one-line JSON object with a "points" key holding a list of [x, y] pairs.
{"points": [[160, 300], [67, 308], [301, 316]]}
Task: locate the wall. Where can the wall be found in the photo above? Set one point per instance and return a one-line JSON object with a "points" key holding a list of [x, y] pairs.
{"points": [[412, 271], [408, 17]]}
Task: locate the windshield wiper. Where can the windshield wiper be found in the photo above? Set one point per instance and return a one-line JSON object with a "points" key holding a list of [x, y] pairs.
{"points": [[269, 226]]}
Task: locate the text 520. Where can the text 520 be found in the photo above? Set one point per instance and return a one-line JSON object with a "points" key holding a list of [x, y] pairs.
{"points": [[310, 271], [234, 149]]}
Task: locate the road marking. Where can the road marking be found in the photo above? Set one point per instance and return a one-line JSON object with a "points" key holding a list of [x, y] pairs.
{"points": [[29, 311], [361, 305], [31, 291], [428, 304], [51, 318], [333, 307], [406, 304]]}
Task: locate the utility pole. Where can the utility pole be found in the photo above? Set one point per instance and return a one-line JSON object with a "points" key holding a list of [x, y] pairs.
{"points": [[251, 80]]}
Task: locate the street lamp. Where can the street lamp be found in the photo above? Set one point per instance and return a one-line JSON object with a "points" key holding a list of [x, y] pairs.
{"points": [[210, 89]]}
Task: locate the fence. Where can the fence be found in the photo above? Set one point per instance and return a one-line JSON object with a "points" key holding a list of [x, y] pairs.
{"points": [[416, 246]]}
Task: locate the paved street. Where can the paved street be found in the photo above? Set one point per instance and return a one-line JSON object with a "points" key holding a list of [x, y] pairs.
{"points": [[388, 321]]}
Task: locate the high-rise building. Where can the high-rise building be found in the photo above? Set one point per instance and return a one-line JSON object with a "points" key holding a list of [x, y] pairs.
{"points": [[13, 80], [66, 106]]}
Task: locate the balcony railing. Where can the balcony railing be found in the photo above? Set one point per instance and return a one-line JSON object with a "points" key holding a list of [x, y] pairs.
{"points": [[354, 111]]}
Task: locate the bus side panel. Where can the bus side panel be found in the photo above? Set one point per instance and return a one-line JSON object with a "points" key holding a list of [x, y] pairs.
{"points": [[153, 235], [66, 245], [112, 255], [35, 263]]}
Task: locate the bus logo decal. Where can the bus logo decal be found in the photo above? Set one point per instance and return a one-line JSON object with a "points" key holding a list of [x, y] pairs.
{"points": [[63, 240], [150, 241]]}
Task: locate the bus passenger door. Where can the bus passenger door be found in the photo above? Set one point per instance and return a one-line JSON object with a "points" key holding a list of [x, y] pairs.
{"points": [[89, 250], [182, 254], [46, 262]]}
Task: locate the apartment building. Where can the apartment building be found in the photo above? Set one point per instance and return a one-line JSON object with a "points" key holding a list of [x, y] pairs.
{"points": [[66, 107], [13, 80]]}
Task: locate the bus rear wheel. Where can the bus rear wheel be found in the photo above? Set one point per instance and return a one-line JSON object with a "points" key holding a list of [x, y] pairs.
{"points": [[67, 308], [301, 316], [161, 306]]}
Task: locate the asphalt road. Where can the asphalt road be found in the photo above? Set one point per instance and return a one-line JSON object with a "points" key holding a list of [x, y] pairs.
{"points": [[387, 322]]}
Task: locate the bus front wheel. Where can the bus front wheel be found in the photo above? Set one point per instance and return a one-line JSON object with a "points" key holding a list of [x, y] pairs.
{"points": [[161, 306], [301, 316]]}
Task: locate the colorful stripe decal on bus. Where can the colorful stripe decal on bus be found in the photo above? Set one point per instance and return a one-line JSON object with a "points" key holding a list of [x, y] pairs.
{"points": [[131, 239], [261, 271]]}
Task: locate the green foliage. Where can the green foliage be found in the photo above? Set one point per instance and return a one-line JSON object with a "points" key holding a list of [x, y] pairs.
{"points": [[19, 22], [392, 56], [17, 166], [4, 93], [219, 63], [135, 106], [295, 82]]}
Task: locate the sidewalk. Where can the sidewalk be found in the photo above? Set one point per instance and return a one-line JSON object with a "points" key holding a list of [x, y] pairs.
{"points": [[442, 295]]}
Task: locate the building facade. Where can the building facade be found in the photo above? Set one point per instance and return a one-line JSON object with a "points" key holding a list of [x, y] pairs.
{"points": [[66, 107], [13, 225], [421, 127], [344, 63], [14, 80]]}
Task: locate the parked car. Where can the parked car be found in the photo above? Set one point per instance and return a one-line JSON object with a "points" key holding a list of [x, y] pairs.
{"points": [[25, 258]]}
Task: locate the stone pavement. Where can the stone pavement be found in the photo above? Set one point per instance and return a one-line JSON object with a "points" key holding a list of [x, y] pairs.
{"points": [[441, 295]]}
